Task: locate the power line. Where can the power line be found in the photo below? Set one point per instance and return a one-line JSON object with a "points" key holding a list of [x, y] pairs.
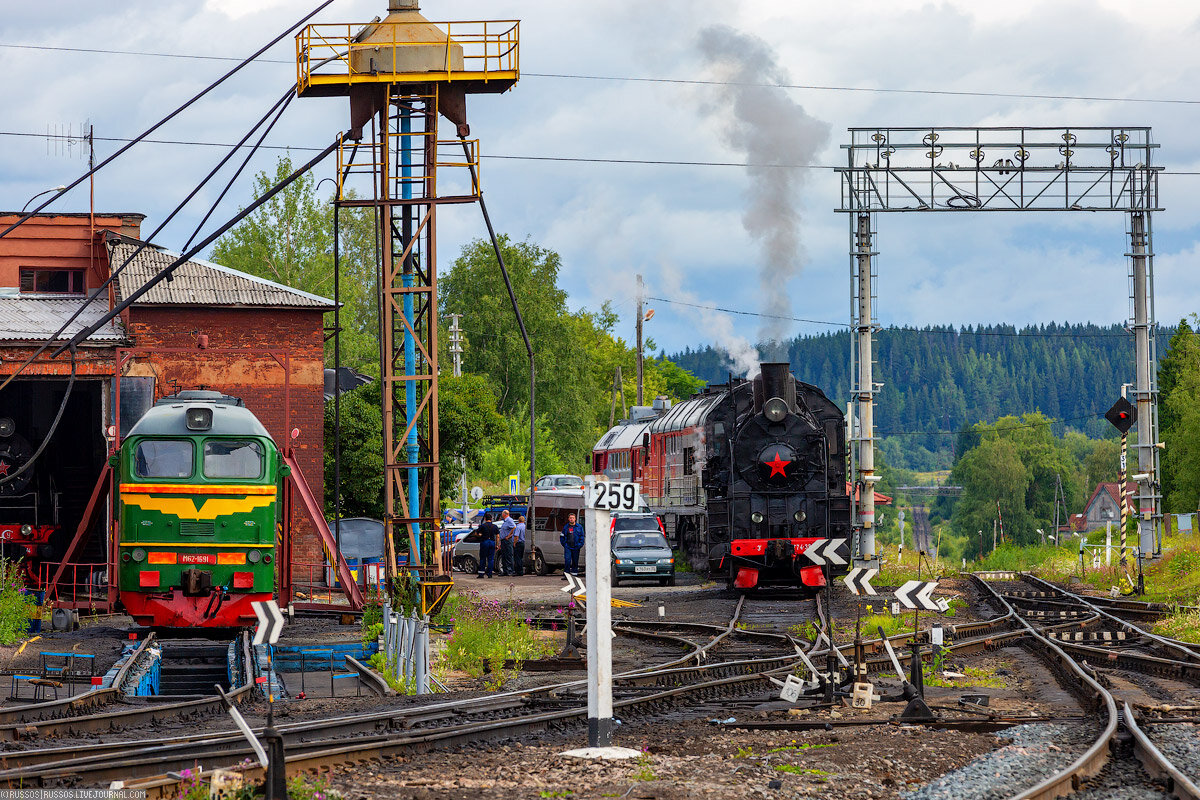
{"points": [[495, 156], [900, 329], [677, 81]]}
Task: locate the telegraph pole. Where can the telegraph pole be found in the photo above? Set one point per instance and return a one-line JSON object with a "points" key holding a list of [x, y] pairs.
{"points": [[640, 294]]}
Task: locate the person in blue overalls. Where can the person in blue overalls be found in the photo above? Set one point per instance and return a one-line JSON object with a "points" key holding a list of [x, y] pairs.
{"points": [[487, 546], [572, 542]]}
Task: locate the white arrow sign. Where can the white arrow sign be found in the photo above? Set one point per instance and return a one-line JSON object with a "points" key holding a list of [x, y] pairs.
{"points": [[824, 550], [270, 622], [575, 586], [916, 595], [858, 580]]}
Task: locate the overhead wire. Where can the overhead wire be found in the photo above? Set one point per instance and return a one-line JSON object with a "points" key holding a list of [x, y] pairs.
{"points": [[166, 119], [166, 272], [116, 272], [679, 81]]}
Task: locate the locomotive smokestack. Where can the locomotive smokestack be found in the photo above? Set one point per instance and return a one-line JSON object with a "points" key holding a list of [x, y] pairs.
{"points": [[777, 382]]}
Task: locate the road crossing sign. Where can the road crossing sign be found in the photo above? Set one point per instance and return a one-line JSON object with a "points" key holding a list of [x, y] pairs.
{"points": [[270, 622], [858, 580], [916, 595], [824, 550]]}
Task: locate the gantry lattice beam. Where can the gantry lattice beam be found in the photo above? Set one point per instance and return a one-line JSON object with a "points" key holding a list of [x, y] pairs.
{"points": [[999, 169]]}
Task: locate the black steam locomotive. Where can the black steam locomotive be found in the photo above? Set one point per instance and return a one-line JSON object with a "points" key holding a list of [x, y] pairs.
{"points": [[746, 475]]}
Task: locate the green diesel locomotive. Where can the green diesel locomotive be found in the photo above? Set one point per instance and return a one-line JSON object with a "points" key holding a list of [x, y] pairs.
{"points": [[199, 510]]}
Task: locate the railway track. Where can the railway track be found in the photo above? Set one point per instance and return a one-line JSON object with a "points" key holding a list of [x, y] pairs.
{"points": [[1080, 668], [61, 718], [714, 665]]}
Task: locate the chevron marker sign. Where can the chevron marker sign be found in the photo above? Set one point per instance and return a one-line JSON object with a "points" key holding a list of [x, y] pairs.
{"points": [[825, 550], [575, 586], [858, 580], [916, 595], [270, 622]]}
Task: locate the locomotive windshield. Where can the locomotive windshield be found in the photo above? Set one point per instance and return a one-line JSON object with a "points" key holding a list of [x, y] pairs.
{"points": [[164, 458], [227, 458]]}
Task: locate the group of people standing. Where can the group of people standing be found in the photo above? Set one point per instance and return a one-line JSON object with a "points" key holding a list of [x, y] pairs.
{"points": [[509, 538]]}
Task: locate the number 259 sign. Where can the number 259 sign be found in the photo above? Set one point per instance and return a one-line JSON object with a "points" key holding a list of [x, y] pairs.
{"points": [[614, 496]]}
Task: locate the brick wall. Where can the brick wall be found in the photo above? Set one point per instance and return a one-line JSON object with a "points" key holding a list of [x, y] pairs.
{"points": [[296, 338]]}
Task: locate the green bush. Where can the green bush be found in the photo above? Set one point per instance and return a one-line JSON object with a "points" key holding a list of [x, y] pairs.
{"points": [[14, 604]]}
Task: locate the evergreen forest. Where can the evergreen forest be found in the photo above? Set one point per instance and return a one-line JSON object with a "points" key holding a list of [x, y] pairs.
{"points": [[938, 379]]}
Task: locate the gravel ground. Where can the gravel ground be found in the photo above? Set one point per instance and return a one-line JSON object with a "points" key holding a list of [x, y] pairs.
{"points": [[1122, 779], [1035, 752], [681, 759], [1179, 742]]}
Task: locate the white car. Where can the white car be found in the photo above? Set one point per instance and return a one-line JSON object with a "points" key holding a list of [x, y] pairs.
{"points": [[559, 482]]}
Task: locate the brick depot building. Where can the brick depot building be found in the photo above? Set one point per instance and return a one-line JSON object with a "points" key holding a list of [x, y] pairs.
{"points": [[210, 327]]}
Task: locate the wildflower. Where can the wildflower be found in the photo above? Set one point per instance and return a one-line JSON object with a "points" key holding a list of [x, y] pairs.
{"points": [[571, 604], [528, 620]]}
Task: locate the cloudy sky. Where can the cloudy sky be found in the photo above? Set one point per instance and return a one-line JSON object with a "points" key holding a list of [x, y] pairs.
{"points": [[585, 94]]}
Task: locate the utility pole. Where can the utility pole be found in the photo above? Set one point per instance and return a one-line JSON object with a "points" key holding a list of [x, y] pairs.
{"points": [[640, 294], [1145, 388], [863, 389], [456, 344], [456, 355]]}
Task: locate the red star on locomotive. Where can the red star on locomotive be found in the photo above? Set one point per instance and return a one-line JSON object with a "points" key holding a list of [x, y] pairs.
{"points": [[777, 466]]}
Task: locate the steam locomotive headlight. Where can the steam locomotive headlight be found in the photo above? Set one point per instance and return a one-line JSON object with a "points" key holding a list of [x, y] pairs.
{"points": [[253, 556], [756, 517], [7, 428], [775, 409], [800, 516], [139, 554], [26, 531]]}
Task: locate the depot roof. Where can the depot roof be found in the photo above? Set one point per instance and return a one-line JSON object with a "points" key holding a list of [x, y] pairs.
{"points": [[197, 282]]}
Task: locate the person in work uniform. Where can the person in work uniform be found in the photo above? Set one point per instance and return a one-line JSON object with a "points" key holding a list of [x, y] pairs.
{"points": [[519, 545], [507, 526], [572, 542], [487, 546]]}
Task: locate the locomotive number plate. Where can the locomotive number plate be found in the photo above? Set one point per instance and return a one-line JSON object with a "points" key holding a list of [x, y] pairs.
{"points": [[615, 496], [197, 558]]}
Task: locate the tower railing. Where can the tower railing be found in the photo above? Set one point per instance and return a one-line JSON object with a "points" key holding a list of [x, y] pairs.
{"points": [[337, 54]]}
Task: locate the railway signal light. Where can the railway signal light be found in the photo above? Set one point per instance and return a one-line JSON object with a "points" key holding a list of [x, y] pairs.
{"points": [[1122, 415]]}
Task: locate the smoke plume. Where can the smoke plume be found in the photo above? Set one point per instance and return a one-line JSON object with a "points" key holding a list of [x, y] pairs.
{"points": [[715, 324], [769, 127]]}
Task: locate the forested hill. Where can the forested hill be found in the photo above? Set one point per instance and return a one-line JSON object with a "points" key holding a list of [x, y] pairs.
{"points": [[939, 378]]}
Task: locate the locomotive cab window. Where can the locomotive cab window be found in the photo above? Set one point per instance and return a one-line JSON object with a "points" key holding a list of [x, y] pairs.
{"points": [[229, 458], [164, 458]]}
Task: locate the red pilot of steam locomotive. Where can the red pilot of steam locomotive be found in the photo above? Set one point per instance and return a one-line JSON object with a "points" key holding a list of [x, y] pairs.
{"points": [[746, 475]]}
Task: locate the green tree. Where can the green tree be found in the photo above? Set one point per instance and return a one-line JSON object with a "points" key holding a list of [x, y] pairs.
{"points": [[992, 475], [1179, 370], [468, 424], [289, 240], [362, 453]]}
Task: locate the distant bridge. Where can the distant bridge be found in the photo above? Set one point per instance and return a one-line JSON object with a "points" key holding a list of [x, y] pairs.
{"points": [[946, 490]]}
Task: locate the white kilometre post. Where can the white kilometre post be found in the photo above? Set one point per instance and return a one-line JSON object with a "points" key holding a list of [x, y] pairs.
{"points": [[864, 391], [599, 622]]}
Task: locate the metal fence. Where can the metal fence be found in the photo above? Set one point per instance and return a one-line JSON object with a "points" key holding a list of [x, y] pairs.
{"points": [[405, 644]]}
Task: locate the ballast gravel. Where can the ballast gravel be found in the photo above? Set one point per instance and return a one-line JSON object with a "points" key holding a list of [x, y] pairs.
{"points": [[1122, 779], [1036, 752], [1180, 743]]}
